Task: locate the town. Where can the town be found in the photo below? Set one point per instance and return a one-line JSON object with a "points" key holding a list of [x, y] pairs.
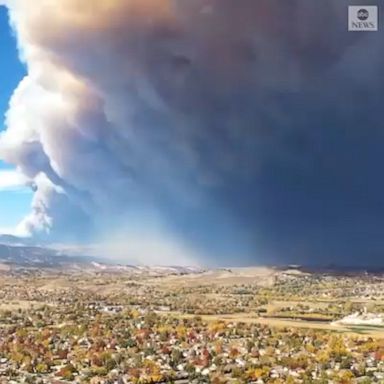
{"points": [[107, 327]]}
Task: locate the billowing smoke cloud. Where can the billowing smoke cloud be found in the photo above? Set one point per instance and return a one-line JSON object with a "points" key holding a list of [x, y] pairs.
{"points": [[247, 130], [11, 180]]}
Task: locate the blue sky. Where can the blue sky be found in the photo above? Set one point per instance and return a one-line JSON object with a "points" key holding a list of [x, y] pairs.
{"points": [[14, 204]]}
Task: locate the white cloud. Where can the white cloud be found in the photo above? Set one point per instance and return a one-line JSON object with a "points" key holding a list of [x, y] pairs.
{"points": [[11, 180]]}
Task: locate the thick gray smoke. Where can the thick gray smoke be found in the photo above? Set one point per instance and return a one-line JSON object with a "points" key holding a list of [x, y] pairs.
{"points": [[186, 120]]}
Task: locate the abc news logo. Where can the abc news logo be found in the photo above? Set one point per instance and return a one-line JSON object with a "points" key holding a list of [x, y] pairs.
{"points": [[362, 18]]}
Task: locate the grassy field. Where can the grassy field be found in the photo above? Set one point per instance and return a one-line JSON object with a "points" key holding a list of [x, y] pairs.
{"points": [[369, 331], [19, 304]]}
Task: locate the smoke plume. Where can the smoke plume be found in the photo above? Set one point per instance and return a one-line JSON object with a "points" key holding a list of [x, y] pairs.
{"points": [[246, 131]]}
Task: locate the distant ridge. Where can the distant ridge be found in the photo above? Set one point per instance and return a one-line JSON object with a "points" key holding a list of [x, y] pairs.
{"points": [[24, 255], [16, 256], [15, 240], [17, 252]]}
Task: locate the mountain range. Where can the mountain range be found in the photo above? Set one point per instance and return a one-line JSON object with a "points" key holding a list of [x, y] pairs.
{"points": [[22, 254]]}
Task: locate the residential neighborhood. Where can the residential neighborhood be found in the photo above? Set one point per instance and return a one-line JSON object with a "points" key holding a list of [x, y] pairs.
{"points": [[120, 328]]}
